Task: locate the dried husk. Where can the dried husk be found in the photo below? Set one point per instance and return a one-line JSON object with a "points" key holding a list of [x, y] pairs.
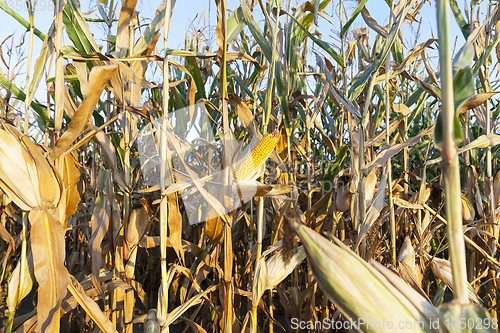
{"points": [[25, 175]]}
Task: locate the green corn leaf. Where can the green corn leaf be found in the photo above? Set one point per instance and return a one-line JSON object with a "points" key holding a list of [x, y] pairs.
{"points": [[353, 17], [363, 79], [38, 108], [464, 26], [463, 87], [320, 43]]}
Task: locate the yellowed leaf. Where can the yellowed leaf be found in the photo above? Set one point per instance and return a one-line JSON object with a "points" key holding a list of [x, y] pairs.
{"points": [[48, 248], [402, 108], [100, 224], [70, 179], [90, 307], [175, 225], [214, 227], [99, 76], [475, 101], [123, 33]]}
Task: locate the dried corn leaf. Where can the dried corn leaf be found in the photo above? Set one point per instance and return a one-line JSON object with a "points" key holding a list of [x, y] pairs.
{"points": [[25, 175], [401, 108], [109, 153], [475, 101], [260, 278], [90, 307], [483, 141], [179, 311], [175, 225], [136, 228], [123, 31], [48, 248], [6, 236], [386, 154], [71, 197], [99, 76], [374, 210], [100, 224]]}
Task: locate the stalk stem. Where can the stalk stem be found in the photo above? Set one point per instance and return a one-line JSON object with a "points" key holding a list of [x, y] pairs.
{"points": [[164, 162], [387, 141], [453, 205]]}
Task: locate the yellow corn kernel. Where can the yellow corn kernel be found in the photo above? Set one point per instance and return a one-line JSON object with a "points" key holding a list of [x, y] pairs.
{"points": [[257, 157]]}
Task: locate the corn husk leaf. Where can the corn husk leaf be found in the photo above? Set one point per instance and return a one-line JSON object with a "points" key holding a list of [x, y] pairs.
{"points": [[468, 318], [442, 269], [278, 269], [25, 175], [136, 228], [151, 324], [48, 248], [260, 279], [358, 290], [407, 253], [14, 294]]}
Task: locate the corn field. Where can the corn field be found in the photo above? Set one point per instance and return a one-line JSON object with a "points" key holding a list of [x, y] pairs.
{"points": [[267, 182]]}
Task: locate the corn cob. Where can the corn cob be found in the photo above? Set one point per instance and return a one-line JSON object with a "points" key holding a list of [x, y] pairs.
{"points": [[250, 165]]}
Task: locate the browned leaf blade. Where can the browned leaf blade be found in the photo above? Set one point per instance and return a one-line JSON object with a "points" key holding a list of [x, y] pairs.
{"points": [[100, 224], [136, 228], [385, 155], [47, 243], [122, 35], [98, 78], [71, 197], [90, 307], [475, 101], [175, 225]]}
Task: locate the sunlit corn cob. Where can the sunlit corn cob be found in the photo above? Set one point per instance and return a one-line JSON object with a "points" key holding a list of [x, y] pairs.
{"points": [[269, 273], [442, 269], [251, 164], [407, 253], [25, 175], [468, 212], [151, 324], [33, 184], [365, 293], [278, 269], [15, 295]]}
